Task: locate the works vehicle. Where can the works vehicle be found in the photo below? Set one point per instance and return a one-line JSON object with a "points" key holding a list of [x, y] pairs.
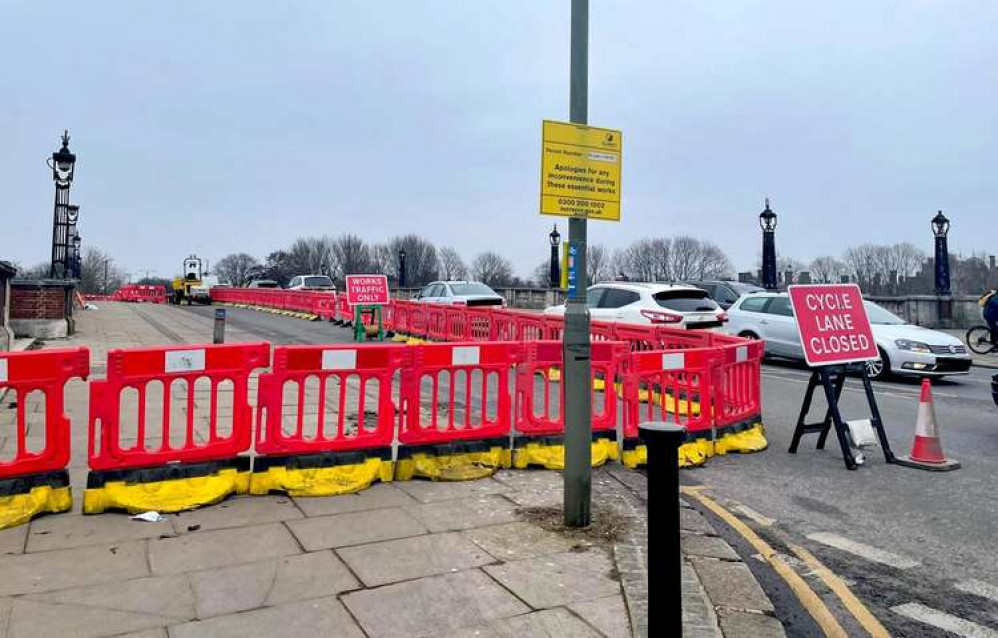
{"points": [[675, 305], [905, 349], [461, 293], [183, 288]]}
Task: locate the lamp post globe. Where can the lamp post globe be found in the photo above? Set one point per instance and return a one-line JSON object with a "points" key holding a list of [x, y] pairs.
{"points": [[555, 271], [63, 163], [940, 228], [767, 221], [77, 258]]}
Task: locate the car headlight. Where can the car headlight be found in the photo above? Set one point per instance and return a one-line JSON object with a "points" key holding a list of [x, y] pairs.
{"points": [[912, 346]]}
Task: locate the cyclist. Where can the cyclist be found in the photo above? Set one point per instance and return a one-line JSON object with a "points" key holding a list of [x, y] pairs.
{"points": [[989, 303]]}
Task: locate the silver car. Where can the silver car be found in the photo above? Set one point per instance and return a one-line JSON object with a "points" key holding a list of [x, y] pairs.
{"points": [[905, 349], [462, 293]]}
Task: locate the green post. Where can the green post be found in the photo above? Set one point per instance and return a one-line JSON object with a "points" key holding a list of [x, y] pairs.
{"points": [[575, 347], [359, 330]]}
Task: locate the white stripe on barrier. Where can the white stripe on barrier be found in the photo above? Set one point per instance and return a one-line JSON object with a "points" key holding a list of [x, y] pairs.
{"points": [[465, 356], [3, 371], [673, 361], [741, 354], [184, 360], [339, 359]]}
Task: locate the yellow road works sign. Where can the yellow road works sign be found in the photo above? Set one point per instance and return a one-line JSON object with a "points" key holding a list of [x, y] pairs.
{"points": [[580, 171]]}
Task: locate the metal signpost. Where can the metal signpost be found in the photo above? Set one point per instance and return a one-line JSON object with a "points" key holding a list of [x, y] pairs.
{"points": [[580, 179], [835, 332]]}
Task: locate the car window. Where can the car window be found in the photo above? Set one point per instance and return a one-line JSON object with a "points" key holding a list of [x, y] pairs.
{"points": [[425, 292], [618, 298], [319, 281], [471, 289], [780, 306], [685, 300], [438, 291], [593, 296], [723, 294], [294, 282], [753, 304]]}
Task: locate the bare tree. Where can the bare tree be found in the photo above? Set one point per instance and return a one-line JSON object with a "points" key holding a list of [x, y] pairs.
{"points": [[646, 260], [38, 271], [599, 264], [421, 264], [92, 272], [827, 270], [451, 265], [542, 274], [235, 269], [862, 262], [311, 255], [492, 269], [350, 256], [384, 261], [685, 256]]}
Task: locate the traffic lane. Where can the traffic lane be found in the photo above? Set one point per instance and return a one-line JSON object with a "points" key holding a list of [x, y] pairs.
{"points": [[974, 385], [277, 329], [947, 520]]}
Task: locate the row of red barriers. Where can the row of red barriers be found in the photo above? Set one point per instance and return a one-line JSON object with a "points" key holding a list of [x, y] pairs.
{"points": [[136, 293]]}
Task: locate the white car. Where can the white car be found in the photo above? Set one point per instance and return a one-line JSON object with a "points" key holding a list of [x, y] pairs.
{"points": [[461, 293], [905, 349], [675, 305], [311, 282]]}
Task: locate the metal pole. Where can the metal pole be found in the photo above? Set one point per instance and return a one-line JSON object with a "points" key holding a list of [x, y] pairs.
{"points": [[665, 583], [575, 349], [105, 275], [219, 335]]}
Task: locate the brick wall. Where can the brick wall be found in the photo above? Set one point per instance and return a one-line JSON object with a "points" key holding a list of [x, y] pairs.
{"points": [[31, 300]]}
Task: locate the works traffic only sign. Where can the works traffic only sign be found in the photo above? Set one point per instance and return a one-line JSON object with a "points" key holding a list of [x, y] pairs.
{"points": [[369, 290], [832, 324], [580, 171]]}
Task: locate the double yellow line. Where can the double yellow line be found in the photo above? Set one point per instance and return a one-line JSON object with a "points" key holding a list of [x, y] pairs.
{"points": [[808, 598]]}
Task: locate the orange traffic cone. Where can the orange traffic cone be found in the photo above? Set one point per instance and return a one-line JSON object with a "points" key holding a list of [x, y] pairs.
{"points": [[927, 450]]}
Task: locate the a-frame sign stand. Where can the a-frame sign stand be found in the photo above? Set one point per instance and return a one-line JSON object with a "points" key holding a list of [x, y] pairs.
{"points": [[832, 380]]}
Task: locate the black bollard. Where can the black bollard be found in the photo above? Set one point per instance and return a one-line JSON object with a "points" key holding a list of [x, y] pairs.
{"points": [[665, 585], [219, 336]]}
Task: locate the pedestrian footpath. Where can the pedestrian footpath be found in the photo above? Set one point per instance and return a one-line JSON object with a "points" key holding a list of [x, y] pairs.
{"points": [[415, 558]]}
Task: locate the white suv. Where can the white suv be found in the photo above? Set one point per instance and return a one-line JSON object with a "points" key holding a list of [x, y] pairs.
{"points": [[675, 305], [311, 282]]}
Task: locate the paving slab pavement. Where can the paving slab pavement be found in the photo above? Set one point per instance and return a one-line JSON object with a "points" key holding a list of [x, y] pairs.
{"points": [[415, 558]]}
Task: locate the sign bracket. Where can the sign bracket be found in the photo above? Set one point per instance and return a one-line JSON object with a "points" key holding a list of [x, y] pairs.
{"points": [[832, 380]]}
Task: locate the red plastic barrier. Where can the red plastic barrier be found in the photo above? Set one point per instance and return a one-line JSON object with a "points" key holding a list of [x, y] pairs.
{"points": [[479, 324], [668, 386], [504, 325], [456, 318], [328, 399], [325, 306], [436, 321], [458, 392], [736, 379], [140, 293], [540, 409], [174, 372], [47, 372], [344, 311], [529, 326]]}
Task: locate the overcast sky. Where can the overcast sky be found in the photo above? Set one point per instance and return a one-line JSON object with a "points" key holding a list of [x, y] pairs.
{"points": [[214, 127]]}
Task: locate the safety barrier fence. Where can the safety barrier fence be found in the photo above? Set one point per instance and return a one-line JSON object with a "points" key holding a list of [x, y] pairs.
{"points": [[134, 293], [173, 427]]}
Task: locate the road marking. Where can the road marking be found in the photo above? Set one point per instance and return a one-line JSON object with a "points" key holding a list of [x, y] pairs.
{"points": [[810, 600], [879, 388], [944, 621], [754, 515], [978, 588], [862, 550], [837, 585]]}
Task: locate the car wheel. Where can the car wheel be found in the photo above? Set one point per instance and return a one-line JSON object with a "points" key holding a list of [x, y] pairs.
{"points": [[749, 335], [879, 369]]}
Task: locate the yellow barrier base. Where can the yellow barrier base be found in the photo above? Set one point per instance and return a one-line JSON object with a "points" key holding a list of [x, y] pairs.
{"points": [[24, 498], [282, 475], [468, 465], [399, 338], [171, 488], [744, 440], [550, 453], [691, 454]]}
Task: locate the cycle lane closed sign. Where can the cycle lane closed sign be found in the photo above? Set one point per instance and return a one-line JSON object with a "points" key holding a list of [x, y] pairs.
{"points": [[832, 323]]}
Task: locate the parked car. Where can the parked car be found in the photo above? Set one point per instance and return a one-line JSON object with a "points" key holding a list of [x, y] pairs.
{"points": [[263, 283], [905, 349], [994, 388], [725, 293], [463, 293], [311, 282], [676, 305]]}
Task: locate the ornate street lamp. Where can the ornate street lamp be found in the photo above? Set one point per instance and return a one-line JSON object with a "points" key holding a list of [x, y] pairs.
{"points": [[940, 228], [63, 165], [555, 238], [767, 221], [402, 268], [77, 261]]}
